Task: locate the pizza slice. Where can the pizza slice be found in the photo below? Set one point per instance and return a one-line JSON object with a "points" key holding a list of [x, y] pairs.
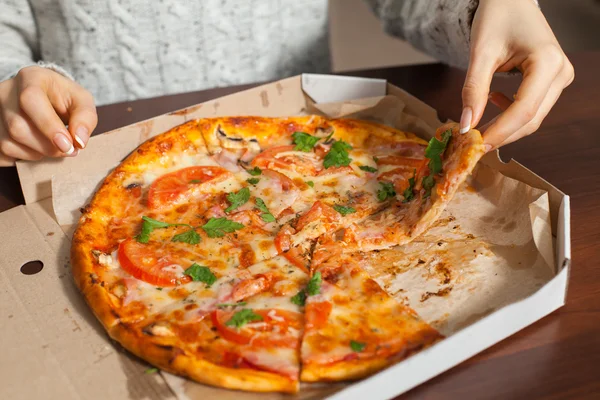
{"points": [[354, 328], [412, 194], [239, 331]]}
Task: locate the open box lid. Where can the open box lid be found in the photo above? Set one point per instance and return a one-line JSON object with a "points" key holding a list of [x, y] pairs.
{"points": [[63, 352]]}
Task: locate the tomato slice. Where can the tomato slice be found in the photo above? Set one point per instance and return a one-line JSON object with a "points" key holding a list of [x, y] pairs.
{"points": [[317, 314], [176, 186], [272, 332], [272, 158], [146, 263]]}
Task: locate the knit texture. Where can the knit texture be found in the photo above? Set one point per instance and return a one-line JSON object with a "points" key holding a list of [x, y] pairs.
{"points": [[128, 49]]}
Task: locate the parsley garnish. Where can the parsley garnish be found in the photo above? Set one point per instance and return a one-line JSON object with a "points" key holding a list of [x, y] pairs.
{"points": [[237, 199], [304, 141], [225, 305], [242, 317], [313, 286], [149, 225], [310, 183], [376, 159], [344, 210], [253, 181], [151, 371], [387, 190], [218, 227], [254, 171], [337, 155], [190, 237], [328, 138], [266, 215], [368, 168], [299, 298], [435, 149], [408, 192], [357, 346], [199, 273], [195, 181]]}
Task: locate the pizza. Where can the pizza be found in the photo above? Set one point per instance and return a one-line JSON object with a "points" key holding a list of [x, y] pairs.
{"points": [[224, 250]]}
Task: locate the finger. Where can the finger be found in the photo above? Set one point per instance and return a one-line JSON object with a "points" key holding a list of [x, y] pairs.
{"points": [[18, 151], [6, 161], [82, 117], [34, 102], [551, 99], [537, 80], [21, 130], [475, 90]]}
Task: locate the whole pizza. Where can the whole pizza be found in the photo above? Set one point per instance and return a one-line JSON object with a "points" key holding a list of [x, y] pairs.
{"points": [[232, 250]]}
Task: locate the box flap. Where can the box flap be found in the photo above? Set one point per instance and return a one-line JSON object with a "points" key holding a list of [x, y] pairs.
{"points": [[65, 352], [333, 88]]}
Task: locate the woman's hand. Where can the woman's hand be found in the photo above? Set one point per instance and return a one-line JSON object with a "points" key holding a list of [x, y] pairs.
{"points": [[508, 34], [34, 107]]}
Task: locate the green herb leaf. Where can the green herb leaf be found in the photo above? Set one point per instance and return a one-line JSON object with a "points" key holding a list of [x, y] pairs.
{"points": [[218, 227], [199, 273], [310, 183], [237, 199], [254, 171], [344, 210], [242, 317], [151, 371], [266, 215], [148, 225], [409, 191], [376, 159], [159, 288], [328, 138], [195, 181], [299, 298], [435, 149], [304, 141], [313, 286], [253, 181], [357, 346], [428, 183], [386, 191], [190, 236], [225, 305], [368, 168], [337, 155]]}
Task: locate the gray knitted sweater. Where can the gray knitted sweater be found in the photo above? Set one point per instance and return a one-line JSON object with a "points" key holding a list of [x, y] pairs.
{"points": [[128, 49]]}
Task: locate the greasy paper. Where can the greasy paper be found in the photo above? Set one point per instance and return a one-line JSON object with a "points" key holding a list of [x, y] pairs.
{"points": [[492, 246]]}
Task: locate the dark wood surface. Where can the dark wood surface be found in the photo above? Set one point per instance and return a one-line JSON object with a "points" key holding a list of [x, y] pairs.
{"points": [[555, 358]]}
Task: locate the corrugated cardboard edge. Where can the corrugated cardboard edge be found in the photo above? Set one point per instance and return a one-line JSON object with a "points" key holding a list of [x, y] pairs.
{"points": [[35, 180]]}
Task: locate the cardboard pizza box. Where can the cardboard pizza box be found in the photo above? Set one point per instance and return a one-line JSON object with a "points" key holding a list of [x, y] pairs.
{"points": [[53, 347]]}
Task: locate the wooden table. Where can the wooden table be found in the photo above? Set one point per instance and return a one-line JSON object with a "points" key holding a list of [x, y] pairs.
{"points": [[557, 357]]}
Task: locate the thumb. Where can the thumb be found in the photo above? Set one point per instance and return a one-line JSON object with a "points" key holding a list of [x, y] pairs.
{"points": [[82, 117], [475, 91]]}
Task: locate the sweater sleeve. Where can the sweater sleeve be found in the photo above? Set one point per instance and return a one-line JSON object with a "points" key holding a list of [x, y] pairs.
{"points": [[440, 28], [19, 40]]}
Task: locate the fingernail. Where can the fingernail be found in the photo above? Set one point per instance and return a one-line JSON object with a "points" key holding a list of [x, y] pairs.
{"points": [[81, 136], [487, 147], [465, 120], [63, 143], [74, 153]]}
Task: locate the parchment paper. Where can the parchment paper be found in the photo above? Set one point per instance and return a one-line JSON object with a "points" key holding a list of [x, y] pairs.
{"points": [[492, 246]]}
